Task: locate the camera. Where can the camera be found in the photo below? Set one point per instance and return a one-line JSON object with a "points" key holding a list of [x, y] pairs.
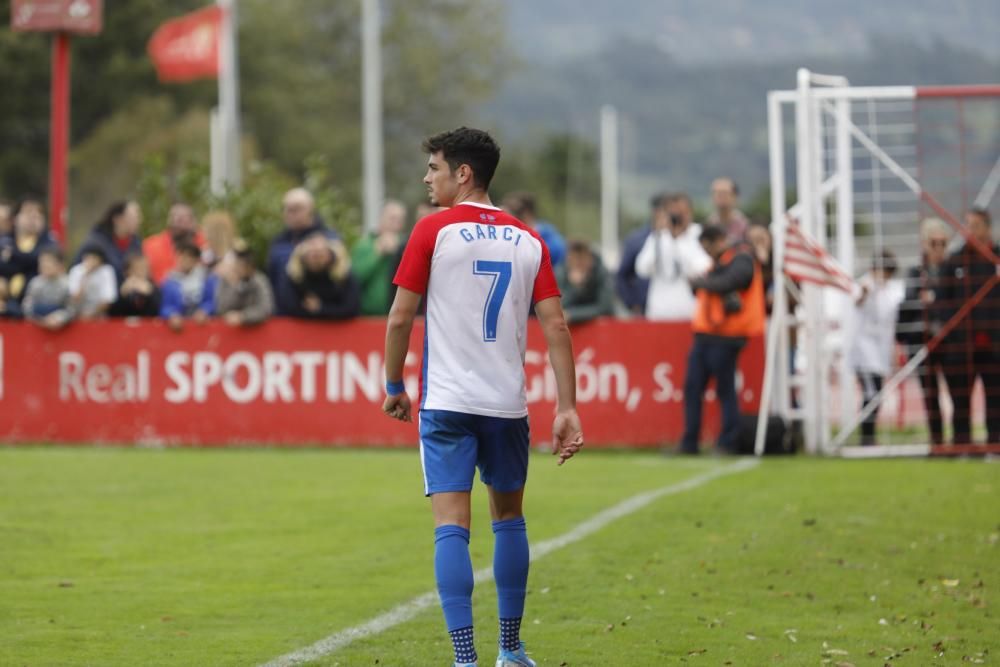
{"points": [[732, 303]]}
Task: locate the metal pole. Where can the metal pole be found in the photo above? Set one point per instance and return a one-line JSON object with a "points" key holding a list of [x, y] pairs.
{"points": [[609, 185], [371, 112], [59, 136], [229, 97], [779, 314], [845, 242]]}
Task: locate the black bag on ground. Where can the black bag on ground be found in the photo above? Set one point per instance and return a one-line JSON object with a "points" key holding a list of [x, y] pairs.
{"points": [[779, 440]]}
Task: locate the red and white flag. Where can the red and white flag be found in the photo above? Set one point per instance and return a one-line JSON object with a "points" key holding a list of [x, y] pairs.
{"points": [[187, 48], [806, 261]]}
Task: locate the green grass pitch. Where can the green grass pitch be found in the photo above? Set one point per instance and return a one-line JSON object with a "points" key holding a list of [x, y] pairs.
{"points": [[235, 557]]}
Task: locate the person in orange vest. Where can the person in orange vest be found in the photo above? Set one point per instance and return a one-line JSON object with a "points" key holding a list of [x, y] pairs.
{"points": [[729, 309], [161, 249]]}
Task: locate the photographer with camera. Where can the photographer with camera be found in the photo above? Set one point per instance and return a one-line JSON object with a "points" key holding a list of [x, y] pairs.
{"points": [[669, 258], [729, 309]]}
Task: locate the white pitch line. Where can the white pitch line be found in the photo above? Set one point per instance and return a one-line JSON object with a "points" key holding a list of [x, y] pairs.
{"points": [[406, 611]]}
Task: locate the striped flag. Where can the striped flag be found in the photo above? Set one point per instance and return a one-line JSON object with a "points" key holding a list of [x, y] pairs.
{"points": [[806, 261]]}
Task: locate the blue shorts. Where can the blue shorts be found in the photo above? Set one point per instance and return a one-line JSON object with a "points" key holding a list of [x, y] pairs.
{"points": [[454, 444]]}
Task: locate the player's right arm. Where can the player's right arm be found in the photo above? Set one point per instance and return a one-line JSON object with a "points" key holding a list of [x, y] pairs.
{"points": [[399, 324], [567, 434]]}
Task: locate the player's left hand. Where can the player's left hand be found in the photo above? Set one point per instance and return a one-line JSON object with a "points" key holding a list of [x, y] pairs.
{"points": [[398, 407]]}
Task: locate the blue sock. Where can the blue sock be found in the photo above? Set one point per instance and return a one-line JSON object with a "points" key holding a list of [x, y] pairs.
{"points": [[510, 570], [453, 571]]}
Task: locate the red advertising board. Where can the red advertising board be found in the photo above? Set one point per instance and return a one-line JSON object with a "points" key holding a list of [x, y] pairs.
{"points": [[74, 16], [297, 383]]}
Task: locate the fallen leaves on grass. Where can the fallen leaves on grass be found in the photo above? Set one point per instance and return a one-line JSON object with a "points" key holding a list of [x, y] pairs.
{"points": [[697, 651]]}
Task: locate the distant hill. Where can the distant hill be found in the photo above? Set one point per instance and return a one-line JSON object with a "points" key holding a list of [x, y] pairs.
{"points": [[684, 123], [742, 30]]}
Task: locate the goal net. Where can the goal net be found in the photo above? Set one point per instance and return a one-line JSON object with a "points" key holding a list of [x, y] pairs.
{"points": [[885, 329]]}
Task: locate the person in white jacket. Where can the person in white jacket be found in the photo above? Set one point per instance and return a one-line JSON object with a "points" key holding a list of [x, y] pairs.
{"points": [[873, 338], [670, 257]]}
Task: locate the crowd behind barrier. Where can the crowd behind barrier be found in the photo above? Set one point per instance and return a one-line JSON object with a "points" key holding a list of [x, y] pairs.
{"points": [[713, 281]]}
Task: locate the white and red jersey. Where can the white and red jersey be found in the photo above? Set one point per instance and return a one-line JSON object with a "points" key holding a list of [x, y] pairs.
{"points": [[481, 270]]}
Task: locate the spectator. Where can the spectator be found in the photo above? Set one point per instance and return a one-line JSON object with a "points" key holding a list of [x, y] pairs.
{"points": [[632, 288], [872, 336], [6, 224], [189, 290], [9, 307], [317, 283], [220, 236], [972, 346], [669, 258], [243, 296], [585, 284], [729, 309], [522, 206], [92, 284], [301, 220], [138, 296], [19, 250], [762, 243], [921, 318], [161, 249], [117, 235], [725, 198], [47, 298], [376, 256]]}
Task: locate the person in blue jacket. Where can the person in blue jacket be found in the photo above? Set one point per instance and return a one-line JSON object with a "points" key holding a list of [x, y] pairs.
{"points": [[189, 290]]}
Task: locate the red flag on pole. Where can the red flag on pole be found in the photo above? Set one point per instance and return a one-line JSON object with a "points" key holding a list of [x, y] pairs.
{"points": [[806, 261], [187, 48]]}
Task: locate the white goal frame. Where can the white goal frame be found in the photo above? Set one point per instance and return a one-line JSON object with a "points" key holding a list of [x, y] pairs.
{"points": [[824, 173]]}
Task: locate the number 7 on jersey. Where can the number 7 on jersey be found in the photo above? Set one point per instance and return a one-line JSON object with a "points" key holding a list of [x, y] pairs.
{"points": [[501, 272]]}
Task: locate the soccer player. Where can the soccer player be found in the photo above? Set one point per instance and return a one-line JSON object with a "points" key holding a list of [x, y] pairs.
{"points": [[480, 271]]}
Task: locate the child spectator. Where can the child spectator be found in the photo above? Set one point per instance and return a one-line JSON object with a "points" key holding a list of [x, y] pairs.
{"points": [[9, 307], [160, 249], [189, 290], [873, 338], [317, 282], [243, 296], [92, 284], [138, 296], [47, 299], [585, 285]]}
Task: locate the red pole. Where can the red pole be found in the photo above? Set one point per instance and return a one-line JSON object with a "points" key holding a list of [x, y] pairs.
{"points": [[59, 136]]}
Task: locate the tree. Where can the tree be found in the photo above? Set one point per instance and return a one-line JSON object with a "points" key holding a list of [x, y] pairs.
{"points": [[300, 74], [108, 71]]}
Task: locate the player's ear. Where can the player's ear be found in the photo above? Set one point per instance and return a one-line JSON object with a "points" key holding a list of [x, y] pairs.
{"points": [[463, 174]]}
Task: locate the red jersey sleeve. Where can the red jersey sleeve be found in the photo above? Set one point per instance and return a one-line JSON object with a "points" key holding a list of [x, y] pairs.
{"points": [[545, 280], [415, 266]]}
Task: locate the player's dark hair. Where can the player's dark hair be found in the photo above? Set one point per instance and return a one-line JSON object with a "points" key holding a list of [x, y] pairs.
{"points": [[983, 213], [466, 145]]}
